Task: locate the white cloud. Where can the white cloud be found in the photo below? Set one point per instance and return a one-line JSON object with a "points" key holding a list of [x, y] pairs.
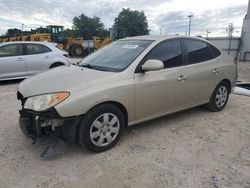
{"points": [[160, 13]]}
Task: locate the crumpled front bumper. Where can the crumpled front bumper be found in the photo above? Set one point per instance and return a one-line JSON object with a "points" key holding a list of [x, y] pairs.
{"points": [[37, 124]]}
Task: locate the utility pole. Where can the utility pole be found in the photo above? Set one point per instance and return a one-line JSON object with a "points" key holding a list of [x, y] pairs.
{"points": [[230, 31], [22, 26], [208, 32], [189, 27]]}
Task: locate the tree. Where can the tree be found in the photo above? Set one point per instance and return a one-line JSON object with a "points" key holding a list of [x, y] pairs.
{"points": [[88, 27], [71, 33], [12, 32], [133, 20]]}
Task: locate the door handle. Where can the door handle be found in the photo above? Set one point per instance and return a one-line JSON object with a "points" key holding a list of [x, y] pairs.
{"points": [[180, 78], [20, 59], [47, 56], [216, 71]]}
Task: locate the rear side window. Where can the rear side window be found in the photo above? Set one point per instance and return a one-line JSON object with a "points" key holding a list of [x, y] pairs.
{"points": [[215, 51], [46, 49], [197, 51], [37, 49], [169, 52], [11, 50]]}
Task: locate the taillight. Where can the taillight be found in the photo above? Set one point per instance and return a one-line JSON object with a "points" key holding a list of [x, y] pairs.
{"points": [[66, 55]]}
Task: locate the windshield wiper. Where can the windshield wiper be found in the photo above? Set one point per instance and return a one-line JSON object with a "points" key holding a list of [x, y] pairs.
{"points": [[93, 67]]}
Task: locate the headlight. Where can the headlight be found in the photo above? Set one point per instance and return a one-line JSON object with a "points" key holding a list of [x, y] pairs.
{"points": [[44, 102]]}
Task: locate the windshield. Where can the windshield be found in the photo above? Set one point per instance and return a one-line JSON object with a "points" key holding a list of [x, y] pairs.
{"points": [[117, 56]]}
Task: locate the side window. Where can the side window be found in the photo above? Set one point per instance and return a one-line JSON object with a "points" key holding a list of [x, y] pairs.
{"points": [[197, 51], [46, 49], [169, 52], [11, 50], [54, 31], [34, 49], [216, 52]]}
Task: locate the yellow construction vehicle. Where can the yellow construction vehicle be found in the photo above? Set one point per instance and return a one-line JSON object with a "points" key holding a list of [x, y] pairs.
{"points": [[51, 33], [74, 46], [100, 42], [115, 34]]}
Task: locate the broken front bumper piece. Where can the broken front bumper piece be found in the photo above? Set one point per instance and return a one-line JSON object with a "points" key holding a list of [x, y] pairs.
{"points": [[37, 124]]}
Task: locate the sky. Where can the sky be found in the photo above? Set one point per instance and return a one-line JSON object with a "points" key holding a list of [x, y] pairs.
{"points": [[164, 16]]}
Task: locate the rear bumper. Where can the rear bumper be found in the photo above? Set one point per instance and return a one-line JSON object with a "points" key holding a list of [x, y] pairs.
{"points": [[37, 124]]}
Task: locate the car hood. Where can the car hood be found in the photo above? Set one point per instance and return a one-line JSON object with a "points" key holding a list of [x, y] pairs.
{"points": [[61, 79]]}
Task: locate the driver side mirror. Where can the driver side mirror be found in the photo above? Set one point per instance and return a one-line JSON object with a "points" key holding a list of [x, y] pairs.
{"points": [[152, 65]]}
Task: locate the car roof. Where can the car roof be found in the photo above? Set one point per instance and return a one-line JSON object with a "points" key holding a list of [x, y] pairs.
{"points": [[162, 37], [25, 42]]}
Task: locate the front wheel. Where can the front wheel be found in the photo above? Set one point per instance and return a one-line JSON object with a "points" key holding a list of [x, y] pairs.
{"points": [[219, 97], [101, 128]]}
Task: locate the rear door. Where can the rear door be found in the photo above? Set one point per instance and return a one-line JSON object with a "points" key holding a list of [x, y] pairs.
{"points": [[12, 61], [38, 58], [162, 91], [202, 68]]}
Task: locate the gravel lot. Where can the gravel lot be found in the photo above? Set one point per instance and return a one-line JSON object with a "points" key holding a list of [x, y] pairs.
{"points": [[194, 148]]}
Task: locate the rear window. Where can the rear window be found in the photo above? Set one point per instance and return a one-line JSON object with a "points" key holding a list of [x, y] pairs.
{"points": [[37, 49], [197, 51]]}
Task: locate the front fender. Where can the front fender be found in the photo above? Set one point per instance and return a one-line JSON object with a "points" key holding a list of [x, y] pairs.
{"points": [[81, 101]]}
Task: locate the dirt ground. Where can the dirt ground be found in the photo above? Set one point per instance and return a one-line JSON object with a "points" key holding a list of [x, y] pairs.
{"points": [[194, 148]]}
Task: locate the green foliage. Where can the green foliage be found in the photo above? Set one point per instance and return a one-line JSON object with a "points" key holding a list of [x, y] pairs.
{"points": [[71, 33], [88, 27], [13, 32], [133, 20]]}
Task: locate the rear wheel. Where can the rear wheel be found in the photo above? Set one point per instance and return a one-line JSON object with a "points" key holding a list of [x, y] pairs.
{"points": [[101, 128], [77, 51], [219, 98]]}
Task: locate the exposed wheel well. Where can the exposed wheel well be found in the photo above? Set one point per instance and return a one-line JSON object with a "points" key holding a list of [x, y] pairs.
{"points": [[56, 64], [120, 106], [228, 82]]}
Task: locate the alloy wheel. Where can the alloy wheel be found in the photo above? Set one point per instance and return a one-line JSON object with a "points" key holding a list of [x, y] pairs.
{"points": [[221, 96], [104, 129]]}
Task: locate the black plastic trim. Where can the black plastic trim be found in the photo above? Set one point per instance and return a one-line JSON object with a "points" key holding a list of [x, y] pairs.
{"points": [[67, 131]]}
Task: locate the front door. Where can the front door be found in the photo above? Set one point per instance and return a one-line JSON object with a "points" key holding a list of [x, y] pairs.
{"points": [[162, 91], [12, 62]]}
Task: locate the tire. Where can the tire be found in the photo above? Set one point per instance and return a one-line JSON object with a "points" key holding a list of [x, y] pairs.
{"points": [[76, 51], [56, 65], [98, 134], [219, 97]]}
